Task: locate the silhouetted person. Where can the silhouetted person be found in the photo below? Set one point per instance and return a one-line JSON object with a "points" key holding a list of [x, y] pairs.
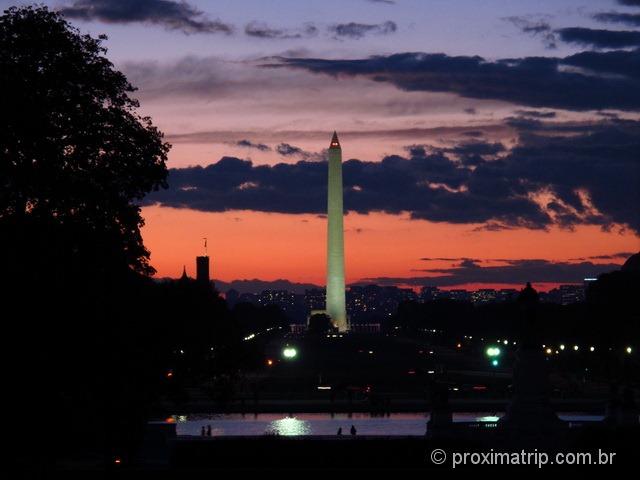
{"points": [[353, 430], [202, 432], [208, 430], [339, 431]]}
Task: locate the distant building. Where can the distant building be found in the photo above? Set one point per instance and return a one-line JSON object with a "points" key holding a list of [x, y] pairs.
{"points": [[587, 282], [552, 296], [507, 294], [315, 299], [428, 294], [459, 295], [484, 295], [564, 295], [281, 298], [184, 277], [202, 269], [290, 303], [407, 295], [232, 296], [570, 294], [248, 298]]}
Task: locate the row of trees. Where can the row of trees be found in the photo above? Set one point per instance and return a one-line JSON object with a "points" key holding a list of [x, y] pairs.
{"points": [[610, 315]]}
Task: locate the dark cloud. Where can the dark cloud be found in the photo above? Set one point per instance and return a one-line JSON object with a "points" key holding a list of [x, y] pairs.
{"points": [[447, 259], [167, 13], [617, 17], [359, 30], [599, 38], [531, 81], [514, 272], [287, 150], [610, 256], [525, 123], [536, 27], [610, 115], [618, 62], [477, 148], [590, 177], [535, 114], [255, 285], [629, 3], [400, 134], [249, 144], [469, 153], [473, 133], [262, 30]]}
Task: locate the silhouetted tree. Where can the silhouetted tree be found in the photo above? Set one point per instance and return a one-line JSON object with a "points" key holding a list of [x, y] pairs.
{"points": [[74, 153], [319, 324], [75, 156]]}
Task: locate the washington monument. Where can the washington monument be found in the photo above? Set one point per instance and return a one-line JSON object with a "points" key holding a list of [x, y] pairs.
{"points": [[335, 239]]}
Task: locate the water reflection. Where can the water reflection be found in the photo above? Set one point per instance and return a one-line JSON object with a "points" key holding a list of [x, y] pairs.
{"points": [[327, 424], [488, 418], [290, 426]]}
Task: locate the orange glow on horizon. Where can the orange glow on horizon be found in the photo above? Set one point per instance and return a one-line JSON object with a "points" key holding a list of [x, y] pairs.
{"points": [[270, 246]]}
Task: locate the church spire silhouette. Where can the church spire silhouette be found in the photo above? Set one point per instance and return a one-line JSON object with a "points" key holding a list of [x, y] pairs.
{"points": [[184, 273]]}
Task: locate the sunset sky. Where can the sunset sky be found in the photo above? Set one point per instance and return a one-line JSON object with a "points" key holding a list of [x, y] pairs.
{"points": [[486, 143]]}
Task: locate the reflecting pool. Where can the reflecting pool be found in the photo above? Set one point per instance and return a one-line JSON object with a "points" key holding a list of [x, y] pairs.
{"points": [[325, 424]]}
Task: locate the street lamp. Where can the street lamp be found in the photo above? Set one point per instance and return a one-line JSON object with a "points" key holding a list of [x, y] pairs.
{"points": [[289, 353], [493, 353]]}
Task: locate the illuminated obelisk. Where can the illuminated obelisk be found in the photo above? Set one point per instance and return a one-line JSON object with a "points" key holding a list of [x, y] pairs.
{"points": [[336, 308]]}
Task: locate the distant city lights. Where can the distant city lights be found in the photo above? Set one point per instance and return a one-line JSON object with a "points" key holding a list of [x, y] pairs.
{"points": [[562, 347], [629, 350]]}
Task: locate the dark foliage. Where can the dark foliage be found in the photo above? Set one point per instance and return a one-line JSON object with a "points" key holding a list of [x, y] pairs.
{"points": [[74, 153], [93, 338]]}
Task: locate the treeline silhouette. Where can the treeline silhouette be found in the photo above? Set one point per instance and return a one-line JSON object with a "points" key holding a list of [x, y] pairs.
{"points": [[609, 316], [92, 340]]}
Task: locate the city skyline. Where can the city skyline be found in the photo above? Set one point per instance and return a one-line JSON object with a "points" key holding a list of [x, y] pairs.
{"points": [[512, 178]]}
